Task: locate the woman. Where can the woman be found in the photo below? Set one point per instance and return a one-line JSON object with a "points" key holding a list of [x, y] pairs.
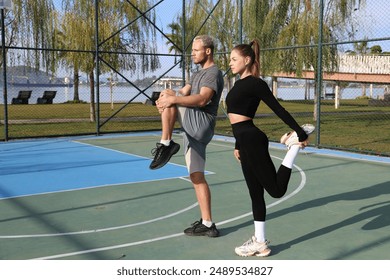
{"points": [[251, 148]]}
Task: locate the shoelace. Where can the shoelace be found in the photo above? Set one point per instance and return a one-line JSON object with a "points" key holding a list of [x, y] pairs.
{"points": [[155, 150], [249, 242], [194, 224]]}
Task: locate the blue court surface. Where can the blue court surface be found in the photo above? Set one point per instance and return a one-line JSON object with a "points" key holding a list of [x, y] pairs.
{"points": [[37, 167]]}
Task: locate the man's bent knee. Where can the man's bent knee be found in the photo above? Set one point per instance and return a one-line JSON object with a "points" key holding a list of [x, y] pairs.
{"points": [[197, 178]]}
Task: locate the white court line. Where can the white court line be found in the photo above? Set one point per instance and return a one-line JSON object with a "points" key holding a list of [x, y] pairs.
{"points": [[297, 190], [102, 229]]}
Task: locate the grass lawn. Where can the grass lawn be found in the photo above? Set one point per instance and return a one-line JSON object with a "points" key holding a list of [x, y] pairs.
{"points": [[354, 126]]}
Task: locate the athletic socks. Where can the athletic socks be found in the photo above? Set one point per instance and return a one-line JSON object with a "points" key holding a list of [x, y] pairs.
{"points": [[165, 142], [288, 160], [207, 223], [260, 231]]}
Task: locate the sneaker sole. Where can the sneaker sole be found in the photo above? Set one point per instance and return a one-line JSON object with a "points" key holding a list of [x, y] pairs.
{"points": [[308, 128], [202, 234], [244, 255], [254, 254], [264, 254]]}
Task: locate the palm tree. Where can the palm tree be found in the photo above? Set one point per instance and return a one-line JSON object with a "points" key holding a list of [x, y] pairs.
{"points": [[196, 14]]}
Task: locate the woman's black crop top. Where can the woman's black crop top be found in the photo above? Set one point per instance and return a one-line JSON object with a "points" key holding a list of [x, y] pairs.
{"points": [[245, 96]]}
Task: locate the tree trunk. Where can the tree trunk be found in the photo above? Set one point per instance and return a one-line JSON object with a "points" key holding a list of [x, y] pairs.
{"points": [[315, 109], [76, 82], [92, 112]]}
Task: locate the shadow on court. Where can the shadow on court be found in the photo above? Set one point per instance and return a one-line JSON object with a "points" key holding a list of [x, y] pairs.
{"points": [[95, 198]]}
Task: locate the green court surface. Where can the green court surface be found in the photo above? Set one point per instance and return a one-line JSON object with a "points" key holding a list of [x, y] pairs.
{"points": [[109, 206]]}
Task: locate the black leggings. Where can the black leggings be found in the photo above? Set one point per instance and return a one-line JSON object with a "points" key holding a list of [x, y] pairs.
{"points": [[258, 168]]}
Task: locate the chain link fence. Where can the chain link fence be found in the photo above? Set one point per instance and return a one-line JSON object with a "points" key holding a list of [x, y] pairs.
{"points": [[91, 67]]}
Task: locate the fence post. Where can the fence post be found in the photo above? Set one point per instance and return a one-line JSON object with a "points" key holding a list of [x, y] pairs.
{"points": [[4, 75], [97, 80], [183, 53], [319, 71]]}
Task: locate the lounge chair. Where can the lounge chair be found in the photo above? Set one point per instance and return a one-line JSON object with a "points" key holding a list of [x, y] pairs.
{"points": [[47, 98], [23, 97], [152, 100]]}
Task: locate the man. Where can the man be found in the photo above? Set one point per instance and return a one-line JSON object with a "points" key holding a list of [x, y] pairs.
{"points": [[196, 105]]}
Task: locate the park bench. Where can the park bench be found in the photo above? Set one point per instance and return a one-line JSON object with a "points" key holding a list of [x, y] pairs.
{"points": [[22, 98], [329, 95], [47, 98]]}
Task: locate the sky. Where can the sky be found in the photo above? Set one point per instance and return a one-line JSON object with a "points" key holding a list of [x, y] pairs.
{"points": [[374, 22]]}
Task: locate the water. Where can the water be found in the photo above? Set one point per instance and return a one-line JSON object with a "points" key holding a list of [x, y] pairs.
{"points": [[122, 93], [298, 93], [118, 94]]}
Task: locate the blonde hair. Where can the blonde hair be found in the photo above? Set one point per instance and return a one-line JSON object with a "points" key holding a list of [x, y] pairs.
{"points": [[207, 41]]}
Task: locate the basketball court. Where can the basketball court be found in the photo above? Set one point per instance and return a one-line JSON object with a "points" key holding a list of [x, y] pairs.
{"points": [[95, 198]]}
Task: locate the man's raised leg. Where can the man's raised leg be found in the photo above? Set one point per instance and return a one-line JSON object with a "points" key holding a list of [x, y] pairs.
{"points": [[166, 148]]}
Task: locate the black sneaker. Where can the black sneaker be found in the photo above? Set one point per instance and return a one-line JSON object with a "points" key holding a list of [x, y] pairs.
{"points": [[199, 229], [162, 154]]}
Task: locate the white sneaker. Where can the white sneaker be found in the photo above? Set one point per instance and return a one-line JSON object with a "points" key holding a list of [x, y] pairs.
{"points": [[291, 138], [252, 248]]}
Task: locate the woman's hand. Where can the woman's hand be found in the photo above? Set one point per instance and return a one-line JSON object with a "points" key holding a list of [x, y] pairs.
{"points": [[303, 144], [237, 155]]}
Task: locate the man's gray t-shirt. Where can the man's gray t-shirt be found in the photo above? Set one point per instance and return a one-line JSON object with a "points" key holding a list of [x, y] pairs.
{"points": [[198, 122], [210, 77]]}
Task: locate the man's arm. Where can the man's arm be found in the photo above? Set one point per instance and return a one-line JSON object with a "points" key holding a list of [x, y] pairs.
{"points": [[193, 100], [186, 90]]}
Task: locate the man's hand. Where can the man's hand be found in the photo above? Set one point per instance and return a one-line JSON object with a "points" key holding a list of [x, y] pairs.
{"points": [[165, 100]]}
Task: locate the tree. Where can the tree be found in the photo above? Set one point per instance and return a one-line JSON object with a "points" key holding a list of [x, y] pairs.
{"points": [[376, 49], [33, 24], [9, 32], [219, 19], [224, 24], [195, 16], [78, 27], [289, 33], [361, 47]]}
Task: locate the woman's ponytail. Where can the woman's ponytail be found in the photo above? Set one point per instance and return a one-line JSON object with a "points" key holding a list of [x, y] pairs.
{"points": [[255, 68]]}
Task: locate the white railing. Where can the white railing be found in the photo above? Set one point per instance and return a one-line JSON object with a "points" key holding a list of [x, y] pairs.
{"points": [[365, 64], [169, 82]]}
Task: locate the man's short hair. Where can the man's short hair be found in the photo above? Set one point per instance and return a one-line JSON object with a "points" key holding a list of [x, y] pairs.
{"points": [[207, 41]]}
